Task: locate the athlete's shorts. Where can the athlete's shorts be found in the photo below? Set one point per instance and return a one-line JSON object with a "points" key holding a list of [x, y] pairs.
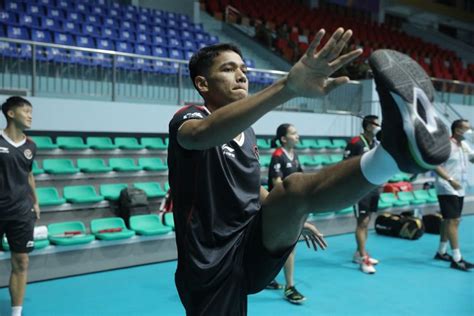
{"points": [[19, 233], [254, 268], [451, 206], [368, 204]]}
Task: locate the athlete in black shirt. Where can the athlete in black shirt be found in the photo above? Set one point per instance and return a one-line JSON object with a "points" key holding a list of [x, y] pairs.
{"points": [[233, 236], [369, 203], [284, 163], [19, 207]]}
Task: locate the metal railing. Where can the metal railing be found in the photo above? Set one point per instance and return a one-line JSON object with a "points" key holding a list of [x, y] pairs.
{"points": [[55, 70]]}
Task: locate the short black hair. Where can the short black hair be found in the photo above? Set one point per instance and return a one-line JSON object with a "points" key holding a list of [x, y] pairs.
{"points": [[368, 119], [12, 103], [457, 123], [202, 60]]}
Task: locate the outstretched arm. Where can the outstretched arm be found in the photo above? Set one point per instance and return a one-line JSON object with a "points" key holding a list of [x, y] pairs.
{"points": [[309, 77]]}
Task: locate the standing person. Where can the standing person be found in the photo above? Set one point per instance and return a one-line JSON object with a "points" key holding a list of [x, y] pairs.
{"points": [[19, 206], [369, 203], [451, 182], [233, 236], [285, 162]]}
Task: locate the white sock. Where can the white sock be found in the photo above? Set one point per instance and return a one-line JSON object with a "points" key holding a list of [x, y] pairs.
{"points": [[16, 310], [443, 247], [378, 166], [457, 255]]}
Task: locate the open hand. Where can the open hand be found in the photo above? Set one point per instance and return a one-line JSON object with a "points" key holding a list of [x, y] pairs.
{"points": [[311, 234], [309, 77]]}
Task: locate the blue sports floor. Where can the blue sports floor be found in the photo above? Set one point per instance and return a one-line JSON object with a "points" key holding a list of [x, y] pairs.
{"points": [[407, 282]]}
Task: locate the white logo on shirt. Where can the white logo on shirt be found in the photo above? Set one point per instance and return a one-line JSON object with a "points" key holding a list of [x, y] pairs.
{"points": [[288, 164], [196, 115], [4, 150], [228, 151], [277, 167], [28, 154]]}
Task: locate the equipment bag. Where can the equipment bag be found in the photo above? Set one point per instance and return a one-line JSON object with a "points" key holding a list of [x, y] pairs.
{"points": [[129, 203], [407, 227], [432, 223]]}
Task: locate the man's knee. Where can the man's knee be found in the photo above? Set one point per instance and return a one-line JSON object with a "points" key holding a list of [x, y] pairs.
{"points": [[453, 221], [20, 262], [363, 221], [294, 187]]}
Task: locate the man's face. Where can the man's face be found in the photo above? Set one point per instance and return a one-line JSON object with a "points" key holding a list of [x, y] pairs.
{"points": [[374, 127], [461, 130], [226, 80], [21, 116]]}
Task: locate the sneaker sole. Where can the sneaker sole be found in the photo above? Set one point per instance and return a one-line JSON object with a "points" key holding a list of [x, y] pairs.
{"points": [[295, 302], [412, 90]]}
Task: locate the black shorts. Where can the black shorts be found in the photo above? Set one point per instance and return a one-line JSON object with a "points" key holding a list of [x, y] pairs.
{"points": [[451, 206], [254, 268], [19, 233], [368, 204]]}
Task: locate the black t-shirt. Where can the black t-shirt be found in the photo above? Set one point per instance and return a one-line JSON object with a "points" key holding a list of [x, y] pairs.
{"points": [[16, 196], [281, 166], [358, 146], [215, 193]]}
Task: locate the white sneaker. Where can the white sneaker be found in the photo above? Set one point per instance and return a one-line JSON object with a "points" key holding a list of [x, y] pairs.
{"points": [[358, 259], [366, 266]]}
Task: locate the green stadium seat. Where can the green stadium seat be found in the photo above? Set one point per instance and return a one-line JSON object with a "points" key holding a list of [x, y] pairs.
{"points": [[265, 160], [345, 211], [323, 215], [72, 143], [306, 144], [43, 142], [152, 164], [425, 195], [93, 165], [128, 143], [336, 158], [81, 194], [68, 234], [153, 143], [168, 219], [323, 143], [307, 160], [409, 197], [323, 160], [389, 197], [59, 166], [124, 164], [110, 228], [101, 143], [383, 204], [48, 196], [167, 186], [148, 225], [36, 170], [111, 192], [399, 177], [339, 143], [263, 143], [152, 189], [39, 244], [433, 193]]}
